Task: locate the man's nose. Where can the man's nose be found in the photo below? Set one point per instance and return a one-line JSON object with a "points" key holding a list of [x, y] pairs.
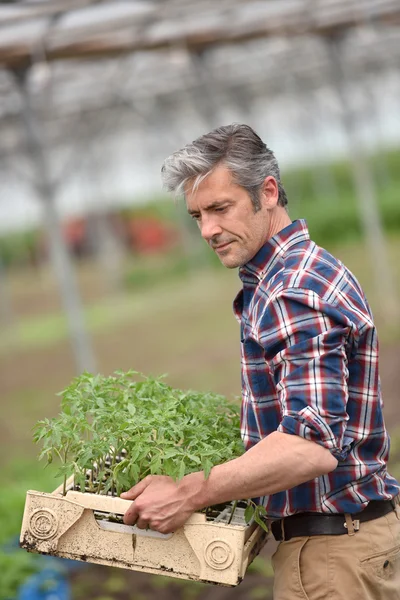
{"points": [[209, 228]]}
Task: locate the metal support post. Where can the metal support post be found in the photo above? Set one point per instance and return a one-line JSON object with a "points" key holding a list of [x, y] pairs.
{"points": [[61, 261]]}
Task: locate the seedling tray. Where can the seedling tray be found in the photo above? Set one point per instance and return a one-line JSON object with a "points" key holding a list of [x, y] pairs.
{"points": [[88, 527]]}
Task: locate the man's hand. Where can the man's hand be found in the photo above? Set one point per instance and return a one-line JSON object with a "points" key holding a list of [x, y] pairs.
{"points": [[278, 462], [160, 504]]}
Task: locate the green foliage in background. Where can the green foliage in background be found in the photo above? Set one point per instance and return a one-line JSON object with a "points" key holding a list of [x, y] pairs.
{"points": [[17, 565], [338, 222], [331, 208], [130, 429], [20, 248]]}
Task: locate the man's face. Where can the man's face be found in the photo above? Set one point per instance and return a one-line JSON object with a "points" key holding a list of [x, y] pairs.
{"points": [[226, 218]]}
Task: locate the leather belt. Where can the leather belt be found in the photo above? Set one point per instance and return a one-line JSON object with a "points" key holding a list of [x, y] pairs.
{"points": [[309, 524]]}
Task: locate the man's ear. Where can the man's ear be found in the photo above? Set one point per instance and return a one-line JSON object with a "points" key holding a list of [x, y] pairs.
{"points": [[269, 193]]}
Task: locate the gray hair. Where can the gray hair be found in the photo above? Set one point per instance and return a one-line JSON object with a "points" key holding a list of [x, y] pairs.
{"points": [[236, 146]]}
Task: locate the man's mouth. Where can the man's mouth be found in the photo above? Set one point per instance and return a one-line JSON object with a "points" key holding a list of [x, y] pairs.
{"points": [[221, 247]]}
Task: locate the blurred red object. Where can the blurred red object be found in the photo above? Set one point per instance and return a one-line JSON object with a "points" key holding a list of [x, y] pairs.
{"points": [[148, 234], [74, 231]]}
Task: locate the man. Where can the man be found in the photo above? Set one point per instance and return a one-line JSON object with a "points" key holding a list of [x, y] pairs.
{"points": [[312, 422]]}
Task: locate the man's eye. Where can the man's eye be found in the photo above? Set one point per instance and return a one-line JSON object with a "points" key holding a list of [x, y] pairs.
{"points": [[221, 209], [196, 217]]}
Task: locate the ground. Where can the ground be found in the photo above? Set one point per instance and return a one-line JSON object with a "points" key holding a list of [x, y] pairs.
{"points": [[100, 585]]}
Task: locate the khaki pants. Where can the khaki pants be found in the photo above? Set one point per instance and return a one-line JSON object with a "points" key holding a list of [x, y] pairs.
{"points": [[363, 566]]}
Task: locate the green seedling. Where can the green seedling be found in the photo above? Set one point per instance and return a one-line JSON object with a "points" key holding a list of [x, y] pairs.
{"points": [[114, 431]]}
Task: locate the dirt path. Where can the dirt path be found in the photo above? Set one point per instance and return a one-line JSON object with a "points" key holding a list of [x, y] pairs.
{"points": [[98, 583]]}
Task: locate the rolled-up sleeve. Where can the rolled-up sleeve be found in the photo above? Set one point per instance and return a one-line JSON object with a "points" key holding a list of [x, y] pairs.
{"points": [[305, 346]]}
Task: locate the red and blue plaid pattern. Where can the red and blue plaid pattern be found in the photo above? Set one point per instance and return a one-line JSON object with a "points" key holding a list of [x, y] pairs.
{"points": [[310, 368]]}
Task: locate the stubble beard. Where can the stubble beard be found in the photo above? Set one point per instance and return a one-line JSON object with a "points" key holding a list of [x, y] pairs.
{"points": [[232, 261]]}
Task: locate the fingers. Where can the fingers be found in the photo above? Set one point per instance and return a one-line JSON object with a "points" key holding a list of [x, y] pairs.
{"points": [[131, 515], [142, 524], [137, 489], [144, 512], [134, 519]]}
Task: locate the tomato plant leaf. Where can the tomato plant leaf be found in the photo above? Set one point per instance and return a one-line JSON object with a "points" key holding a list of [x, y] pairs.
{"points": [[249, 513]]}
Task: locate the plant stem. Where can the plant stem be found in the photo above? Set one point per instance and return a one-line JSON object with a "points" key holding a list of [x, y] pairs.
{"points": [[65, 475], [114, 459], [232, 511]]}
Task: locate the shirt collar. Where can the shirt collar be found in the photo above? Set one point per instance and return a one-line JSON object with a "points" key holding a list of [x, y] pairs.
{"points": [[266, 257]]}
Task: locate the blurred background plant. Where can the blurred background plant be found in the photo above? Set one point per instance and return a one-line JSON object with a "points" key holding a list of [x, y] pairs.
{"points": [[100, 271]]}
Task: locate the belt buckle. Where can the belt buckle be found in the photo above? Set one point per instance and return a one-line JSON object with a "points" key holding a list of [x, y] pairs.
{"points": [[356, 524]]}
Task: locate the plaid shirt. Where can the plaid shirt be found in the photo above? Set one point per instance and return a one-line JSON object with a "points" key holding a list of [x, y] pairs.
{"points": [[310, 368]]}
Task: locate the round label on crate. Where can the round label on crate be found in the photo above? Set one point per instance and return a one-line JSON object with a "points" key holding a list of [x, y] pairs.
{"points": [[219, 555], [43, 523]]}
